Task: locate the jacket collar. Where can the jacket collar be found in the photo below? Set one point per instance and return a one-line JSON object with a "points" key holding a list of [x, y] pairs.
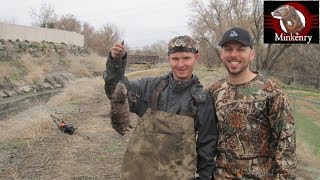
{"points": [[181, 85]]}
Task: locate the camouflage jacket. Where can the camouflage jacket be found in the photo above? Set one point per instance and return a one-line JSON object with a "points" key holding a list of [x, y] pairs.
{"points": [[178, 97], [256, 131]]}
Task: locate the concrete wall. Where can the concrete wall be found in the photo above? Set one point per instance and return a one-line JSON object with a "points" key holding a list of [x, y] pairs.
{"points": [[13, 32]]}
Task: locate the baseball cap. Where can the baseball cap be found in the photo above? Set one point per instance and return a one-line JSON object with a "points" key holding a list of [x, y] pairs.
{"points": [[237, 34], [182, 44]]}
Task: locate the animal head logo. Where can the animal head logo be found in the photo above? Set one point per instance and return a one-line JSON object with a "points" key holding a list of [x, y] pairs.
{"points": [[291, 20], [233, 34]]}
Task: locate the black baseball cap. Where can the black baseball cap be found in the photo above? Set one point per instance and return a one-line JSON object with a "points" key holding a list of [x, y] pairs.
{"points": [[237, 34]]}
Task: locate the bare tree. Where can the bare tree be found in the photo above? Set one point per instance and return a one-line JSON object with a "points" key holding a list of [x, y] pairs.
{"points": [[88, 32], [160, 49], [211, 18], [304, 64], [104, 39], [68, 22], [44, 17], [155, 49]]}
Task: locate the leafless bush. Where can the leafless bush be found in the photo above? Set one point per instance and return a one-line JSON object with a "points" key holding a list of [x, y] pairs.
{"points": [[87, 66]]}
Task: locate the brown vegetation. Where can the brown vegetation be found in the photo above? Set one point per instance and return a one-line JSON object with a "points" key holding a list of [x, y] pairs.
{"points": [[32, 147]]}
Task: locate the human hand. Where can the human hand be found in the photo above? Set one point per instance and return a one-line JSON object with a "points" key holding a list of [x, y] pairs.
{"points": [[118, 50]]}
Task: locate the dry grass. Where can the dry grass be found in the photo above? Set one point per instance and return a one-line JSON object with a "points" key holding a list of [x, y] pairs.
{"points": [[208, 77], [27, 125], [36, 122], [86, 66], [305, 155], [36, 68], [147, 73], [6, 70], [80, 89], [78, 69]]}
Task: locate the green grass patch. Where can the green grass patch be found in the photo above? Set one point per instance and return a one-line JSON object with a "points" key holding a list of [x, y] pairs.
{"points": [[308, 108], [18, 75], [312, 94], [11, 144], [315, 108], [113, 147], [100, 158], [308, 132], [15, 72], [303, 89], [306, 116]]}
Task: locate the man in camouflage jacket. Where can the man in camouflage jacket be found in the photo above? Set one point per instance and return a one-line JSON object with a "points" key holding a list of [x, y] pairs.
{"points": [[177, 138], [255, 122]]}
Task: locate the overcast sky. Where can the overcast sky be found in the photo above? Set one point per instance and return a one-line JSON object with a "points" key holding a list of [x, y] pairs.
{"points": [[143, 22]]}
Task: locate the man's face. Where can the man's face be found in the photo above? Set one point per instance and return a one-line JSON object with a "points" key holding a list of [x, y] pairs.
{"points": [[236, 57], [182, 64]]}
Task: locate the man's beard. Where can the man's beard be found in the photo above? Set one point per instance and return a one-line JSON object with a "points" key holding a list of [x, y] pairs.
{"points": [[236, 73]]}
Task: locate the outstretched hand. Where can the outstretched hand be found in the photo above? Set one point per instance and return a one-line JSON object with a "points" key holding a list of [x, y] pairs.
{"points": [[118, 50]]}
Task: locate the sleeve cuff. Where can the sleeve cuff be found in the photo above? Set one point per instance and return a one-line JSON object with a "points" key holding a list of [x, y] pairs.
{"points": [[123, 57]]}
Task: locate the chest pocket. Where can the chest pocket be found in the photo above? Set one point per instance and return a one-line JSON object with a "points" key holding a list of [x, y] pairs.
{"points": [[198, 97], [187, 108]]}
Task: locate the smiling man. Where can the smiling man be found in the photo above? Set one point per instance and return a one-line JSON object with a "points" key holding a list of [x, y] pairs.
{"points": [[255, 122], [175, 137]]}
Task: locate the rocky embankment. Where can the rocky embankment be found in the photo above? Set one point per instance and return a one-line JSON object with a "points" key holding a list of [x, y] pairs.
{"points": [[12, 51], [9, 88]]}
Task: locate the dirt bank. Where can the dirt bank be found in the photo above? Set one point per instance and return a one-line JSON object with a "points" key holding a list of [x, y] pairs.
{"points": [[41, 151]]}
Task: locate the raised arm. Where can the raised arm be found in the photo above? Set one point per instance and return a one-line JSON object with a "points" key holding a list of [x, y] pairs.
{"points": [[139, 91], [115, 67]]}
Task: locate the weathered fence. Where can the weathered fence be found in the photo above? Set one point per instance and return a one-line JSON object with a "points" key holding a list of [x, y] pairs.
{"points": [[13, 32], [294, 78], [143, 59]]}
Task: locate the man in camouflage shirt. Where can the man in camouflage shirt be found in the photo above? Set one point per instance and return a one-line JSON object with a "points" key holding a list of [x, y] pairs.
{"points": [[255, 123]]}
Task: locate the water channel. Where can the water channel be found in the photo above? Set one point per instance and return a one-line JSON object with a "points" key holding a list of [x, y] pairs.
{"points": [[15, 104]]}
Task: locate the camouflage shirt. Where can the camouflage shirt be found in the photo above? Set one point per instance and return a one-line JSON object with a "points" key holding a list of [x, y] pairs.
{"points": [[256, 131]]}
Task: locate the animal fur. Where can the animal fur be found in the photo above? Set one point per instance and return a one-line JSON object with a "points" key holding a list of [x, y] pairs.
{"points": [[120, 114], [289, 17]]}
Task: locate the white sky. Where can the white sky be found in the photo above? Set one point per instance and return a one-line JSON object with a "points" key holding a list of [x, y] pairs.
{"points": [[143, 22]]}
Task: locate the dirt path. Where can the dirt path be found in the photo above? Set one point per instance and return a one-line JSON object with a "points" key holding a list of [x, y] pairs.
{"points": [[94, 151]]}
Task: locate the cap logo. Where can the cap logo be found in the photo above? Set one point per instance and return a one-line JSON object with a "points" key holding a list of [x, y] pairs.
{"points": [[233, 34], [182, 44], [179, 42]]}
